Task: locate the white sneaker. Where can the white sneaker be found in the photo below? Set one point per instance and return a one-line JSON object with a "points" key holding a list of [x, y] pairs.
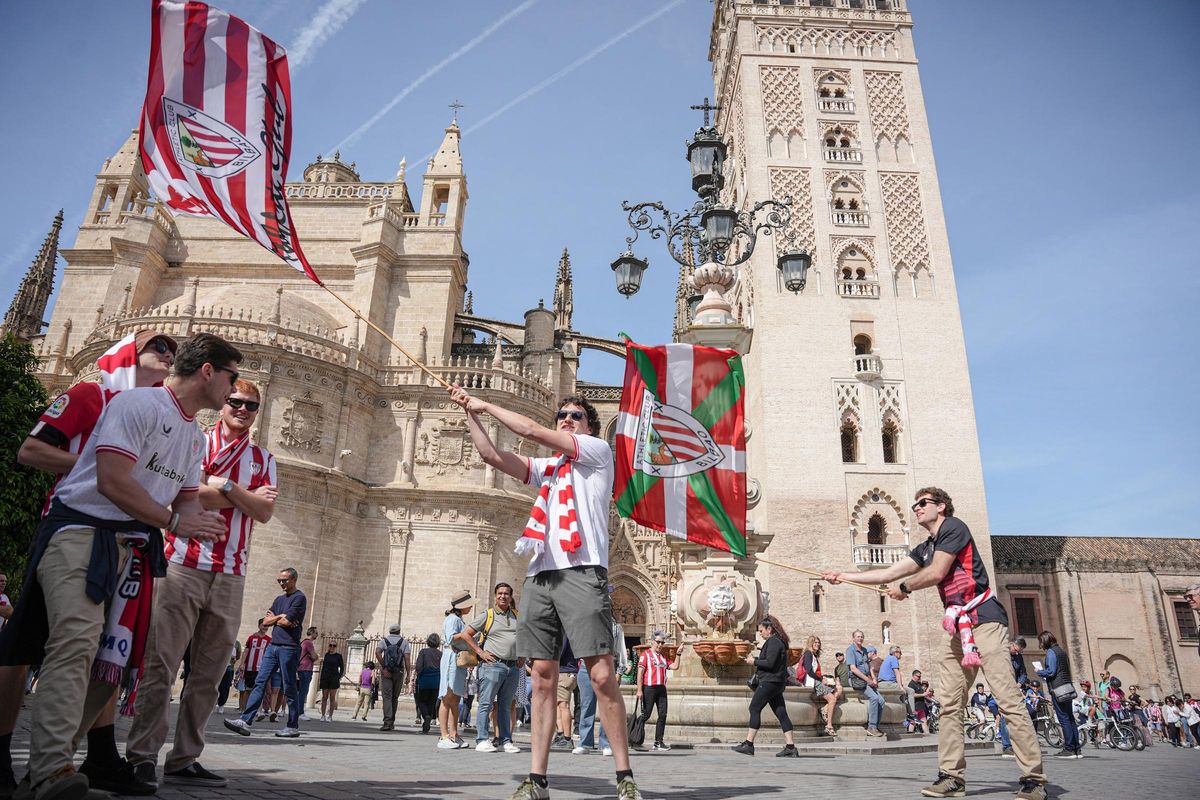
{"points": [[287, 733], [447, 744], [462, 745], [578, 751], [261, 716], [220, 709], [485, 746], [607, 751], [305, 718], [509, 747]]}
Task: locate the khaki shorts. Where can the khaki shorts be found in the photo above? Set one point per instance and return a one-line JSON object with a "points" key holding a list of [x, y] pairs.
{"points": [[567, 681], [572, 602]]}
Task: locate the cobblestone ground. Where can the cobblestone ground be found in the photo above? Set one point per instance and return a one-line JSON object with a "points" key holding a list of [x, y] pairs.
{"points": [[345, 759]]}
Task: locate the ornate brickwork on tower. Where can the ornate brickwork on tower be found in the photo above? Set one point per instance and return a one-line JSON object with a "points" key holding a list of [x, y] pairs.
{"points": [[858, 390]]}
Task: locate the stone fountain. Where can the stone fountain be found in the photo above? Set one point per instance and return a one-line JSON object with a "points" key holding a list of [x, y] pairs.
{"points": [[719, 604]]}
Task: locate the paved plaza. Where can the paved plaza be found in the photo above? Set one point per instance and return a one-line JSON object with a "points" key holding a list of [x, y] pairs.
{"points": [[346, 759]]}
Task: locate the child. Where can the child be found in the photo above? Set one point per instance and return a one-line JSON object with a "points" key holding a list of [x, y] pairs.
{"points": [[366, 680]]}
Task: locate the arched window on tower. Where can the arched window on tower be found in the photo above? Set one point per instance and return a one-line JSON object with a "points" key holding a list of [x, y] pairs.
{"points": [[876, 530], [848, 203], [849, 442], [862, 345], [891, 441]]}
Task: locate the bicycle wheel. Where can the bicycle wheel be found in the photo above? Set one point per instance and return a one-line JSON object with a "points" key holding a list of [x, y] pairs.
{"points": [[1054, 734], [989, 733], [1122, 737]]}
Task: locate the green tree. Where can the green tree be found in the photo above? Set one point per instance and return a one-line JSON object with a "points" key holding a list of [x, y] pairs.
{"points": [[22, 489]]}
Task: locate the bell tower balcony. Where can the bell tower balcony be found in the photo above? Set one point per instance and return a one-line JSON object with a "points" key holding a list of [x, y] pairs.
{"points": [[868, 367], [876, 556]]}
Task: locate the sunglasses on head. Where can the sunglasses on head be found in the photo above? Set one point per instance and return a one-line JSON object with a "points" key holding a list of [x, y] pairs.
{"points": [[237, 402], [158, 345], [575, 415]]}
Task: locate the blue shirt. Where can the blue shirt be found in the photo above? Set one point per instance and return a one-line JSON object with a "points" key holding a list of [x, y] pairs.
{"points": [[888, 671], [859, 658], [1051, 665], [295, 606]]}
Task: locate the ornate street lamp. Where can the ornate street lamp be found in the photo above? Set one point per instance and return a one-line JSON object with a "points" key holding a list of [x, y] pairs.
{"points": [[705, 235], [629, 269], [794, 265]]}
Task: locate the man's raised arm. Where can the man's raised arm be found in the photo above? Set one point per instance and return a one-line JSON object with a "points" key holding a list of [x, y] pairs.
{"points": [[523, 426]]}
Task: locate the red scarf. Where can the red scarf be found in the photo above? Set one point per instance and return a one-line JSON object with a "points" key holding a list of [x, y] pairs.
{"points": [[533, 540], [224, 453], [126, 628]]}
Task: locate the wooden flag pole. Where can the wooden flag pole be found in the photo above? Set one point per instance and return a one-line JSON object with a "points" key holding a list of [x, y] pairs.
{"points": [[817, 574], [385, 335]]}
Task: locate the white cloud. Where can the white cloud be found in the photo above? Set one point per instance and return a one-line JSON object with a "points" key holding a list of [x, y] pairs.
{"points": [[328, 20]]}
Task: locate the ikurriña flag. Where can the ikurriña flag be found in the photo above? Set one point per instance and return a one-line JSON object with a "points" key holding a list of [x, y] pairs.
{"points": [[216, 127], [681, 444]]}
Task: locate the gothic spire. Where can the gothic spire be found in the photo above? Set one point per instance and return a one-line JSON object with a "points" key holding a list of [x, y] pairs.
{"points": [[564, 301], [24, 317]]}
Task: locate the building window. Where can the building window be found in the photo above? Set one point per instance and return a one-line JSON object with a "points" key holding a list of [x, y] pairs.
{"points": [[816, 602], [1025, 612], [876, 530], [849, 443], [1185, 621], [891, 435], [883, 603]]}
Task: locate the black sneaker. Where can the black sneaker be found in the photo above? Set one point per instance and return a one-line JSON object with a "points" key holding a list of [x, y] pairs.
{"points": [[195, 775], [788, 751], [118, 778], [425, 725], [1065, 753], [146, 772], [1007, 753], [746, 748], [562, 743], [661, 746]]}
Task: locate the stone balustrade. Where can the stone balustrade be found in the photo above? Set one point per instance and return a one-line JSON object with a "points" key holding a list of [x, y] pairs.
{"points": [[843, 154], [868, 367], [868, 556], [339, 191], [471, 372], [858, 288], [857, 218], [841, 105]]}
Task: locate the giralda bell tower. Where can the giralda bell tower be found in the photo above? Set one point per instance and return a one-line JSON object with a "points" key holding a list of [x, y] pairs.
{"points": [[858, 387]]}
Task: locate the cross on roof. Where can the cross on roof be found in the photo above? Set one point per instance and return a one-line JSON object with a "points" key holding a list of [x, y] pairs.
{"points": [[706, 107], [456, 106]]}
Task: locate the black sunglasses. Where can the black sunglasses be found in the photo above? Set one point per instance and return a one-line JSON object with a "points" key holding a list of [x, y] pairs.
{"points": [[924, 501], [159, 346], [282, 581], [237, 402], [575, 415], [233, 374]]}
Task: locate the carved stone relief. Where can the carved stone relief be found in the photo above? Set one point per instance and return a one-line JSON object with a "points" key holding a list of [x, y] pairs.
{"points": [[302, 423]]}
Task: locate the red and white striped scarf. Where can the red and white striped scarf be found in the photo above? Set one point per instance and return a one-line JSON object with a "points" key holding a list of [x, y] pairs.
{"points": [[533, 540], [958, 618], [224, 453]]}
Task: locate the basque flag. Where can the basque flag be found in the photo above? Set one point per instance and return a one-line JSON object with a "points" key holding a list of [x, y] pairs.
{"points": [[216, 127], [681, 444]]}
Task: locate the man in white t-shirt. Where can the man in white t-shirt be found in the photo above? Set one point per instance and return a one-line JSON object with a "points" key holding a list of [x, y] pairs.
{"points": [[566, 586], [138, 473]]}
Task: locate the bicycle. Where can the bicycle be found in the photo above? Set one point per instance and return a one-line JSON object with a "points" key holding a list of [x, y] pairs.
{"points": [[1045, 724]]}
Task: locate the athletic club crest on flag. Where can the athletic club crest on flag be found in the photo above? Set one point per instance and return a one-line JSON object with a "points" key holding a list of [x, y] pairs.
{"points": [[681, 446], [216, 127], [204, 144]]}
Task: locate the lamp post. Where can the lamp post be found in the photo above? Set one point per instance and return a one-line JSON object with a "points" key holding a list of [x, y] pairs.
{"points": [[710, 236]]}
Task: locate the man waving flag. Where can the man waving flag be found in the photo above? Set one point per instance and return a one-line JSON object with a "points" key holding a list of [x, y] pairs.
{"points": [[216, 127], [681, 445]]}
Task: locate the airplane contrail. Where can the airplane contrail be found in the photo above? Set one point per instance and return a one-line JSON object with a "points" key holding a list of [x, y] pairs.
{"points": [[429, 73], [328, 20]]}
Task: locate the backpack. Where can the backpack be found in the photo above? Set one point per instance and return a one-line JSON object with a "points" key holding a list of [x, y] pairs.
{"points": [[393, 655]]}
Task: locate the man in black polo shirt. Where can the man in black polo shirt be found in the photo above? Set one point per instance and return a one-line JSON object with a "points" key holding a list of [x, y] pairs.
{"points": [[949, 560]]}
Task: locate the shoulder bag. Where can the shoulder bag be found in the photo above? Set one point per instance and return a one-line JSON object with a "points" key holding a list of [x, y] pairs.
{"points": [[637, 725]]}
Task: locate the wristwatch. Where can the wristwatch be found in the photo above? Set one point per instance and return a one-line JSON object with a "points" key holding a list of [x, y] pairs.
{"points": [[904, 587], [227, 487]]}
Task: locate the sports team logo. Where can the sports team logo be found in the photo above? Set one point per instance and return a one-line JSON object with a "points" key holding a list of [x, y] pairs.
{"points": [[671, 443], [204, 144]]}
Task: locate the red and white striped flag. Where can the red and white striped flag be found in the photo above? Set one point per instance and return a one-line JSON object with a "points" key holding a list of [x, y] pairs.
{"points": [[216, 128], [118, 365]]}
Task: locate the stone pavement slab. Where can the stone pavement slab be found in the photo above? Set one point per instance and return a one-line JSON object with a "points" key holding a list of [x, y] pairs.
{"points": [[343, 760]]}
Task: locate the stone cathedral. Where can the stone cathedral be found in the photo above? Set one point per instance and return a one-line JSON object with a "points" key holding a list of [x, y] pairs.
{"points": [[858, 388]]}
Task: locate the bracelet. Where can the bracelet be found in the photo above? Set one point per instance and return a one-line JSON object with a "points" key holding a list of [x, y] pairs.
{"points": [[174, 523]]}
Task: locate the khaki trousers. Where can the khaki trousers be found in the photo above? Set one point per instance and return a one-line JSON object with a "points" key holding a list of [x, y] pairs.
{"points": [[956, 681], [190, 605], [67, 702]]}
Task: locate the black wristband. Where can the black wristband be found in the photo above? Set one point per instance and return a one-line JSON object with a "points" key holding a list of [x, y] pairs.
{"points": [[904, 587]]}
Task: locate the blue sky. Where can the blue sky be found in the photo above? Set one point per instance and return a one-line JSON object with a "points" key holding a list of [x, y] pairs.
{"points": [[1065, 136]]}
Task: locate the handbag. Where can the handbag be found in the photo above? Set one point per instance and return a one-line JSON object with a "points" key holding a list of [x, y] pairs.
{"points": [[466, 658], [637, 725], [753, 681], [1065, 692]]}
